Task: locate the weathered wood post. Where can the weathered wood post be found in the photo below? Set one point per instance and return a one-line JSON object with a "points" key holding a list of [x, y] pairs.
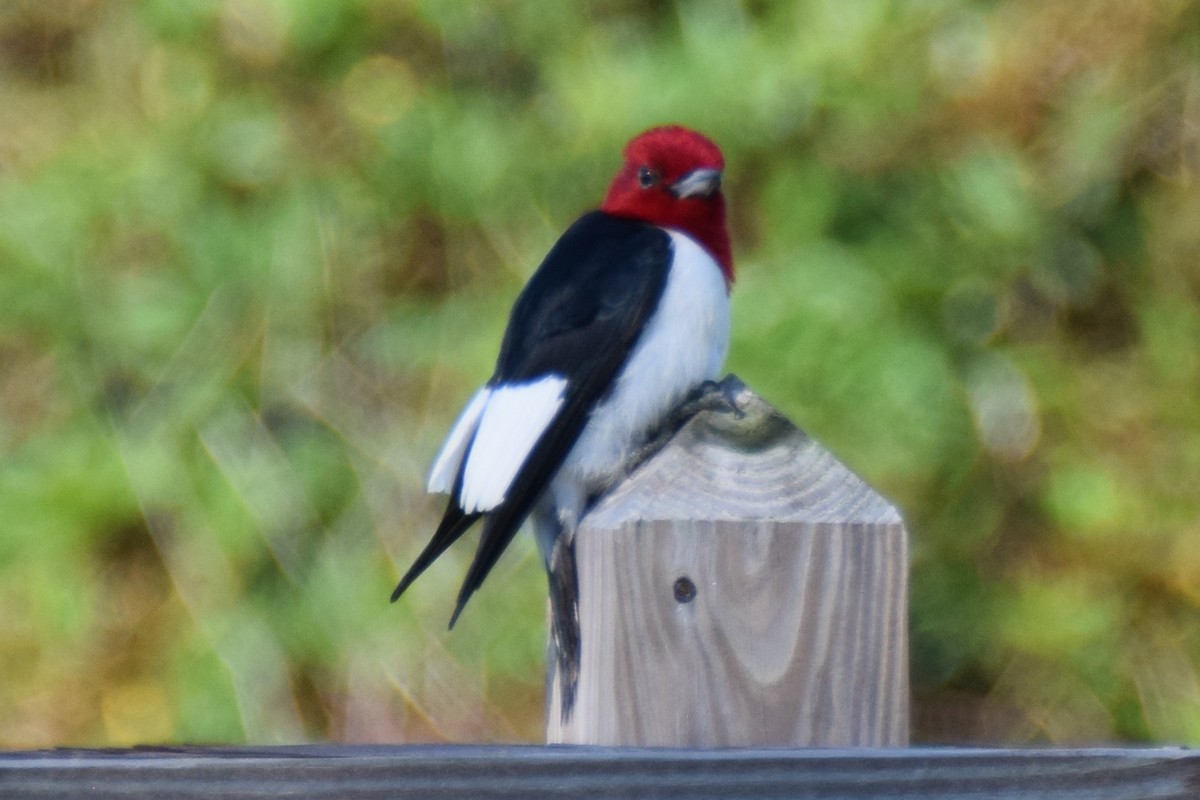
{"points": [[740, 588]]}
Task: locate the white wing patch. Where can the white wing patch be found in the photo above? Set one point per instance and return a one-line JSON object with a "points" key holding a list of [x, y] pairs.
{"points": [[445, 468], [514, 417]]}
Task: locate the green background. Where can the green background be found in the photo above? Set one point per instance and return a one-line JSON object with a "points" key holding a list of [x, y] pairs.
{"points": [[256, 254]]}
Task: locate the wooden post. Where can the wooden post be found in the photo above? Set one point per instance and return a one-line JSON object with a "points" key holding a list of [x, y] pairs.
{"points": [[741, 588]]}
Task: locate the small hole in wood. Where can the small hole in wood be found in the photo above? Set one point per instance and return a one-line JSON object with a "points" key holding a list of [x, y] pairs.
{"points": [[685, 590]]}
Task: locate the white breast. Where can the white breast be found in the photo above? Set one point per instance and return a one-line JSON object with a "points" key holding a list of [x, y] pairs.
{"points": [[685, 343]]}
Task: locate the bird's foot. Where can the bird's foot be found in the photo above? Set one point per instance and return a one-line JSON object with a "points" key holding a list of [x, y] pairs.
{"points": [[707, 396]]}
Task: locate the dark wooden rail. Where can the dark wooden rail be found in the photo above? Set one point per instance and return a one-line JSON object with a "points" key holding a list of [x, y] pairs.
{"points": [[499, 771]]}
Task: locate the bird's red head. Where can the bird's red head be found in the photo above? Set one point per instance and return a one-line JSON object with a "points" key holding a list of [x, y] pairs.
{"points": [[672, 178]]}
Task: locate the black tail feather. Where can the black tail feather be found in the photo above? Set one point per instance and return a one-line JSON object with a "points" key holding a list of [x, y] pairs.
{"points": [[565, 637], [499, 529], [454, 524]]}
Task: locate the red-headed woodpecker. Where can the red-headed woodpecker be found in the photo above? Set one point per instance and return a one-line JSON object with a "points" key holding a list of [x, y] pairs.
{"points": [[626, 316]]}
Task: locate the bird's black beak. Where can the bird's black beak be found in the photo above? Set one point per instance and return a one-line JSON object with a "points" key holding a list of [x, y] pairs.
{"points": [[697, 183]]}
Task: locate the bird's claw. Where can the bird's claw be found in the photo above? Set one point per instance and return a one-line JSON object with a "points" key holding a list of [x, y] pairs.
{"points": [[707, 396], [712, 396]]}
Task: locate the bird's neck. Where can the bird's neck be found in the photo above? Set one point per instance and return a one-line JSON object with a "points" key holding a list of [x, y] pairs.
{"points": [[711, 231], [704, 222]]}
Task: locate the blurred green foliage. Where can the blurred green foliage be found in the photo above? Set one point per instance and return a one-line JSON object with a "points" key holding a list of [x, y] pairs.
{"points": [[255, 254]]}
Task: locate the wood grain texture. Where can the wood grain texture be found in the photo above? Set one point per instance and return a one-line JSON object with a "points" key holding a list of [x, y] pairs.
{"points": [[756, 467], [797, 631], [497, 771]]}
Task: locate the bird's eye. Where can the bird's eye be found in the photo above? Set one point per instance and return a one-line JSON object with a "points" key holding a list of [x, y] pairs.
{"points": [[647, 177]]}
